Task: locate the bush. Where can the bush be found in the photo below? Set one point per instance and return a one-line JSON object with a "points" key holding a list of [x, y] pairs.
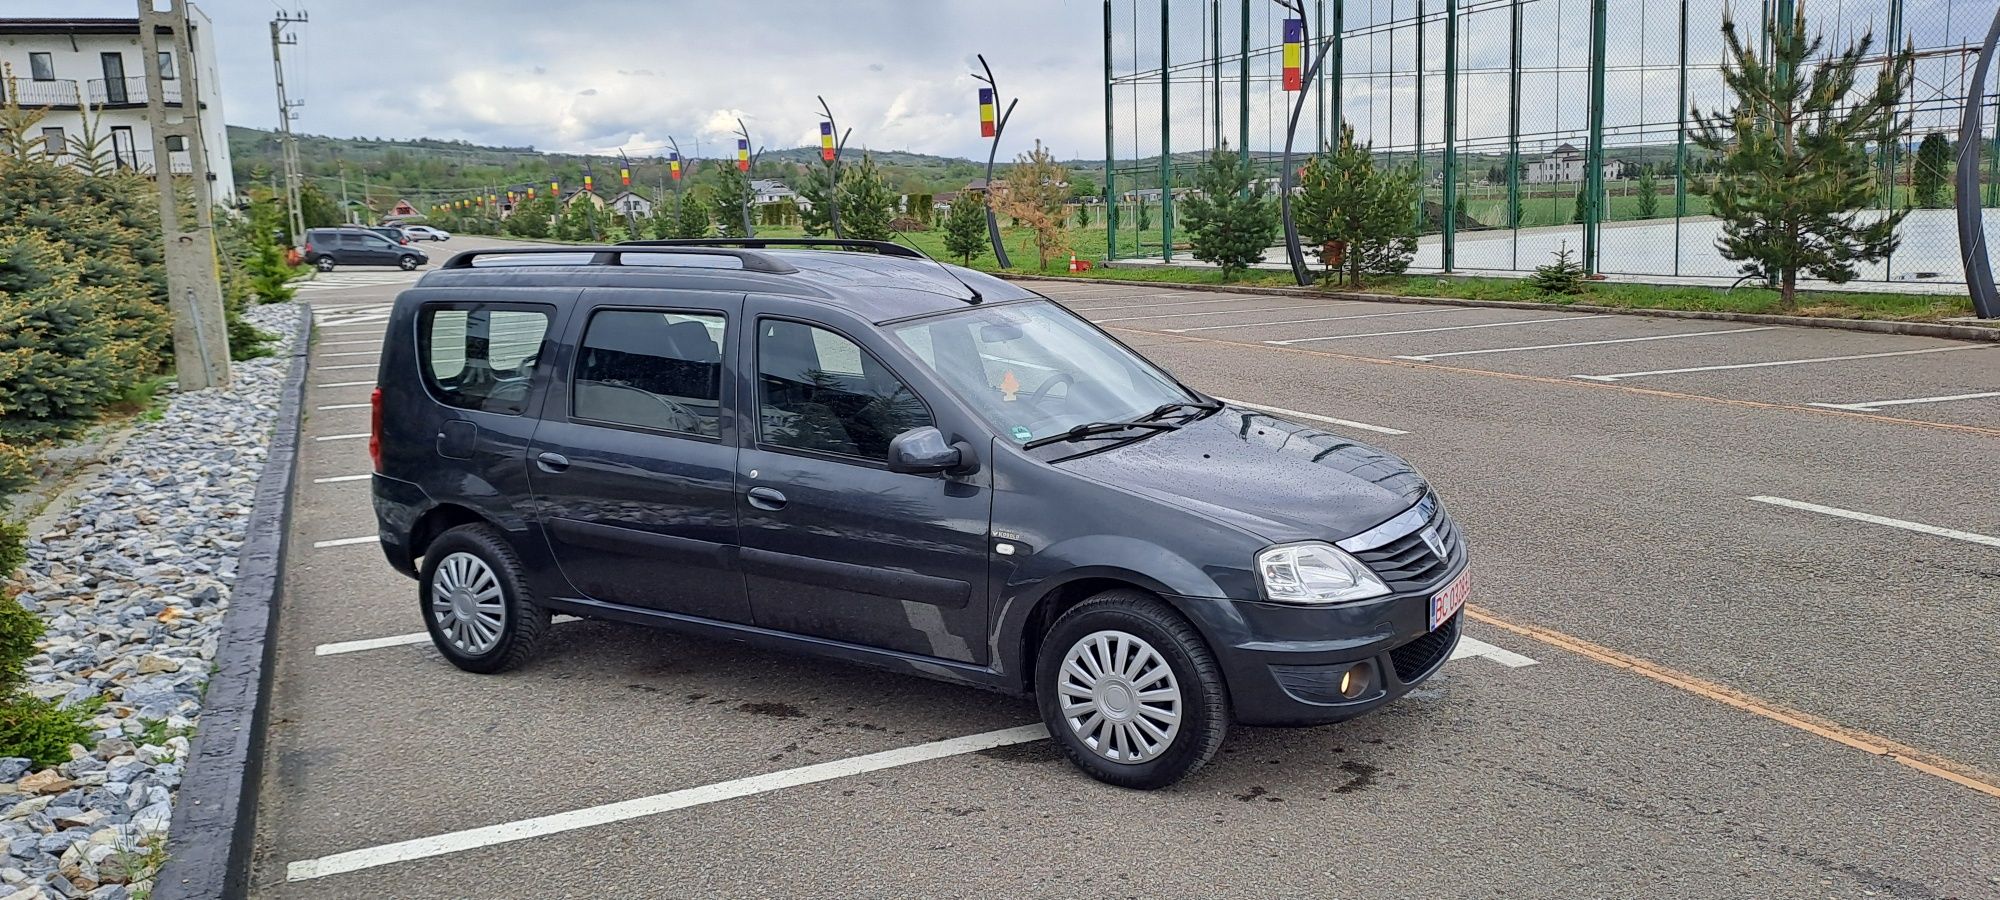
{"points": [[1564, 276], [19, 630], [40, 730]]}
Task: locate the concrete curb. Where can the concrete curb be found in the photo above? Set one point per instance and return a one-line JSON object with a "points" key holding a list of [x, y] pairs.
{"points": [[1878, 326], [215, 811]]}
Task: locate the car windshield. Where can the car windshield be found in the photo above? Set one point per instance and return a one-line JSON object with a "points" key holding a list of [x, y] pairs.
{"points": [[1035, 369]]}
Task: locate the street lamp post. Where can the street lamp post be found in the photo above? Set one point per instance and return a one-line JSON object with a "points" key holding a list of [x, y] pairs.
{"points": [[991, 98]]}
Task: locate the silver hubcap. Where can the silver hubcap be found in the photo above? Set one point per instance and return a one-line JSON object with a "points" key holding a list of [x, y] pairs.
{"points": [[467, 604], [1119, 697]]}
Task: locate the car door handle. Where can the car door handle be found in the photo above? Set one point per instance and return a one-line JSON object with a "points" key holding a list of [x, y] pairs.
{"points": [[552, 462], [767, 498]]}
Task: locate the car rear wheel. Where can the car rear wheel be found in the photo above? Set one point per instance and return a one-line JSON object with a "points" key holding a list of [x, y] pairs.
{"points": [[407, 263], [324, 264], [1130, 691], [475, 603]]}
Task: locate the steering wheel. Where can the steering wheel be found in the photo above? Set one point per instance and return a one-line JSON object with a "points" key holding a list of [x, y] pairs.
{"points": [[1042, 393]]}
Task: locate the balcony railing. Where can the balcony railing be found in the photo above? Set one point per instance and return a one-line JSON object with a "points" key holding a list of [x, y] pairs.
{"points": [[31, 94], [129, 91], [138, 159]]}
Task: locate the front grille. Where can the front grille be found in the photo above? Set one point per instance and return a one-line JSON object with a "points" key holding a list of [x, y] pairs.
{"points": [[1407, 563], [1414, 659]]}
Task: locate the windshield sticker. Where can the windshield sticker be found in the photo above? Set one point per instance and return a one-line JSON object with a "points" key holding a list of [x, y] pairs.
{"points": [[1009, 386], [1022, 434]]}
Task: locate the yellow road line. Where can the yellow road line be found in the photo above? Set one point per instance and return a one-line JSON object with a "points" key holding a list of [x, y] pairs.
{"points": [[1920, 760]]}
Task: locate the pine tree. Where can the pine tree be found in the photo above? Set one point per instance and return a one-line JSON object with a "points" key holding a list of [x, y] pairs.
{"points": [[691, 220], [1933, 168], [1083, 215], [1563, 276], [866, 204], [1345, 198], [1143, 220], [732, 194], [1230, 222], [1649, 193], [1795, 170], [1576, 214], [530, 219], [965, 228], [575, 222], [816, 190]]}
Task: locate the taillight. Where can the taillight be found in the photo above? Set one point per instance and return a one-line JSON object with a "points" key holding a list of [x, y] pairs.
{"points": [[375, 429], [309, 247]]}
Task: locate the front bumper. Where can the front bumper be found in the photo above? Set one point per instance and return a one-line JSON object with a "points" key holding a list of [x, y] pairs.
{"points": [[1283, 664]]}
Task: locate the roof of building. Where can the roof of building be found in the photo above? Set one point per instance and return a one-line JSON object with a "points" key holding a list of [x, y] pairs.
{"points": [[72, 25], [876, 286]]}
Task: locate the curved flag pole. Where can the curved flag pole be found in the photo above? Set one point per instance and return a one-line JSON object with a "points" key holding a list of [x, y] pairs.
{"points": [[829, 151], [992, 93], [1293, 252], [625, 182], [746, 161], [1971, 224], [674, 170]]}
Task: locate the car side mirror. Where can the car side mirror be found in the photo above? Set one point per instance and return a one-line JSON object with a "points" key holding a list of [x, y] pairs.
{"points": [[923, 451]]}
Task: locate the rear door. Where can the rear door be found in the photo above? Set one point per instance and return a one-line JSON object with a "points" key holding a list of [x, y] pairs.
{"points": [[834, 544], [634, 466]]}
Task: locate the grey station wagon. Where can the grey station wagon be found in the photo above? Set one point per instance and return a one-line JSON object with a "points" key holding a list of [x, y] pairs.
{"points": [[847, 449]]}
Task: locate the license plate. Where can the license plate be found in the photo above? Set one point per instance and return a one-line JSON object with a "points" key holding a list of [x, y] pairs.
{"points": [[1446, 603]]}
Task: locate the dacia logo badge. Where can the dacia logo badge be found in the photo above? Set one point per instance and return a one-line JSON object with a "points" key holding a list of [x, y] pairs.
{"points": [[1434, 541]]}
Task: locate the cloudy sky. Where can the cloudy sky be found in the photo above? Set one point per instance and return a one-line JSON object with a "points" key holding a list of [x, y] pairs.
{"points": [[599, 75]]}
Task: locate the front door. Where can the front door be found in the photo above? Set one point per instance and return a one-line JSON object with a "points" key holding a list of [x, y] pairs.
{"points": [[634, 466], [834, 544]]}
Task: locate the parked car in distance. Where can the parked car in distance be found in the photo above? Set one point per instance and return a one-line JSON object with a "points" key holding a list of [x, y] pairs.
{"points": [[426, 233], [326, 248], [863, 454], [392, 232]]}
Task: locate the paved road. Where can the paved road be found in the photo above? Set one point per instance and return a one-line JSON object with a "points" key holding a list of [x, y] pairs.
{"points": [[1680, 689]]}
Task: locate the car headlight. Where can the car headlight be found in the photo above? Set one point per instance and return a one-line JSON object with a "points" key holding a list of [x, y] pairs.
{"points": [[1315, 573]]}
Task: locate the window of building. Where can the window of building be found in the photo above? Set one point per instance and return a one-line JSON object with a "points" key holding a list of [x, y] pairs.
{"points": [[658, 370], [167, 65], [481, 358], [41, 67], [817, 390], [53, 143]]}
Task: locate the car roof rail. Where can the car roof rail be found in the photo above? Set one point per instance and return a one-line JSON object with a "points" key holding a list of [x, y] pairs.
{"points": [[885, 248], [751, 260]]}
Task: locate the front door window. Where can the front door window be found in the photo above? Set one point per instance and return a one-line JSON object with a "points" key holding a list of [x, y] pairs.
{"points": [[819, 391]]}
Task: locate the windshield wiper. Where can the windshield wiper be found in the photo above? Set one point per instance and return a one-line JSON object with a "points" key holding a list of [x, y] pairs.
{"points": [[1166, 409], [1096, 429]]}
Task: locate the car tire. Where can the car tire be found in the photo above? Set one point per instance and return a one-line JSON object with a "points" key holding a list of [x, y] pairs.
{"points": [[324, 264], [1097, 719], [471, 577], [407, 263]]}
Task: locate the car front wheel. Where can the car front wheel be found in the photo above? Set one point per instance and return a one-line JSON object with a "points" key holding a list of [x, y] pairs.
{"points": [[475, 603], [1130, 691]]}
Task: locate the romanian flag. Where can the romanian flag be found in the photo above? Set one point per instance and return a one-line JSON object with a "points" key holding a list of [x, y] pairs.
{"points": [[531, 193], [493, 198], [1295, 47], [674, 166], [986, 112], [510, 197], [826, 141], [589, 183], [555, 190], [743, 154]]}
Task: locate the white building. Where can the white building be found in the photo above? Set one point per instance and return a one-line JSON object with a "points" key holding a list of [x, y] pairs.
{"points": [[1566, 166], [66, 65], [631, 204], [773, 191]]}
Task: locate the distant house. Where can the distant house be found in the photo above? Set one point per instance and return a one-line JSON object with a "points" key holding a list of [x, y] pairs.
{"points": [[579, 193], [1565, 165], [769, 190], [631, 204], [403, 208]]}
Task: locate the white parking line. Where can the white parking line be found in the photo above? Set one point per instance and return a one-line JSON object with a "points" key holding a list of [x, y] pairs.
{"points": [[1293, 413], [1475, 647], [342, 405], [1919, 527], [398, 640], [1342, 337], [370, 383], [1781, 362], [1221, 312], [1414, 312], [473, 838], [1658, 337], [336, 479], [349, 366], [347, 542], [351, 344], [342, 437], [355, 353], [1157, 305], [1874, 405]]}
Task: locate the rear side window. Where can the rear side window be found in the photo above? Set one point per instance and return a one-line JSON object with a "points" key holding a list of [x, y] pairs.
{"points": [[481, 359], [819, 391], [650, 369]]}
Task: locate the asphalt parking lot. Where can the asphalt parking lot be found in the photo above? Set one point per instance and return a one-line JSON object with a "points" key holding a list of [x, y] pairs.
{"points": [[1731, 636]]}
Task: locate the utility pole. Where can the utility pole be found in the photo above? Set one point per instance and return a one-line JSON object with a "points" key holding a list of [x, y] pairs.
{"points": [[288, 145], [194, 286]]}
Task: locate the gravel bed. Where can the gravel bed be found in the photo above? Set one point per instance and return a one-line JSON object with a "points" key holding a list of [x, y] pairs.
{"points": [[132, 581]]}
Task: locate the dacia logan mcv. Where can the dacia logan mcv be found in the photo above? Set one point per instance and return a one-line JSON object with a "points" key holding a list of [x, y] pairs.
{"points": [[847, 449]]}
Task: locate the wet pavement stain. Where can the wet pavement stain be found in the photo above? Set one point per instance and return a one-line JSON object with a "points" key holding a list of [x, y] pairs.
{"points": [[1364, 777], [774, 710], [1255, 791]]}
